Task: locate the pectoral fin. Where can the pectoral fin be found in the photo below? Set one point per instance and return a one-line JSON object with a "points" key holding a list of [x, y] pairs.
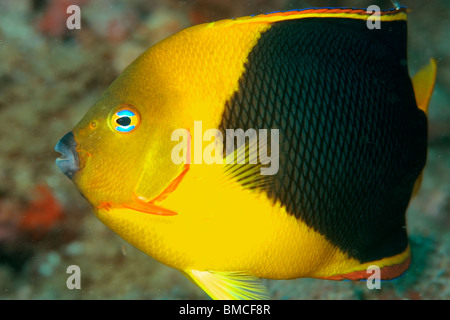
{"points": [[229, 285], [247, 163], [148, 207], [152, 206]]}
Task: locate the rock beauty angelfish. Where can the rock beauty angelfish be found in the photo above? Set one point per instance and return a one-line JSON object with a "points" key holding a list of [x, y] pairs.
{"points": [[350, 149]]}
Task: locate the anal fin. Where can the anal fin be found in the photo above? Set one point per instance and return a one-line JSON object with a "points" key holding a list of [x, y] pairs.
{"points": [[229, 285]]}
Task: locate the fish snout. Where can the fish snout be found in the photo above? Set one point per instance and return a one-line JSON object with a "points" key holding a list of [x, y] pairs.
{"points": [[68, 162]]}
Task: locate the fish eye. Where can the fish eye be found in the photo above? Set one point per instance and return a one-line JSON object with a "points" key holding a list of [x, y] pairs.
{"points": [[125, 120]]}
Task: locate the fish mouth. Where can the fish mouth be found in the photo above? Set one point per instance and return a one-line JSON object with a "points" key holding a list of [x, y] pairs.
{"points": [[68, 162]]}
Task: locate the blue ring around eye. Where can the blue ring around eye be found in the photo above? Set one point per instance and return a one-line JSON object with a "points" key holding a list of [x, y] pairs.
{"points": [[126, 113], [125, 129]]}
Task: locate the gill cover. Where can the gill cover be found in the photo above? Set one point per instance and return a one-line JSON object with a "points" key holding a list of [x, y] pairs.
{"points": [[160, 175]]}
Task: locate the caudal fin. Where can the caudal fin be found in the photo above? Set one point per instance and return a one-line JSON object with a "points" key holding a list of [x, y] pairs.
{"points": [[423, 83]]}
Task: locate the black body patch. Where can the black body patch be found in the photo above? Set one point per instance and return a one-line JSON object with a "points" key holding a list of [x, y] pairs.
{"points": [[352, 140]]}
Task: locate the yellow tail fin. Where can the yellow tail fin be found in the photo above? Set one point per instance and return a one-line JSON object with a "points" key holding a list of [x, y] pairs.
{"points": [[423, 83]]}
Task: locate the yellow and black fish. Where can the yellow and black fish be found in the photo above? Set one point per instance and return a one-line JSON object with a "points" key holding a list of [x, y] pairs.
{"points": [[349, 148]]}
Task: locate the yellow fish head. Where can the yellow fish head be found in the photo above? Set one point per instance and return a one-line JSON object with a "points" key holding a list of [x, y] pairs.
{"points": [[119, 154]]}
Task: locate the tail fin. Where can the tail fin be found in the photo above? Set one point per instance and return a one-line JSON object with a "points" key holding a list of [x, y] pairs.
{"points": [[423, 83]]}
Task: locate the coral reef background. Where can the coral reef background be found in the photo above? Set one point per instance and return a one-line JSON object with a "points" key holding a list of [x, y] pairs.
{"points": [[50, 76]]}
